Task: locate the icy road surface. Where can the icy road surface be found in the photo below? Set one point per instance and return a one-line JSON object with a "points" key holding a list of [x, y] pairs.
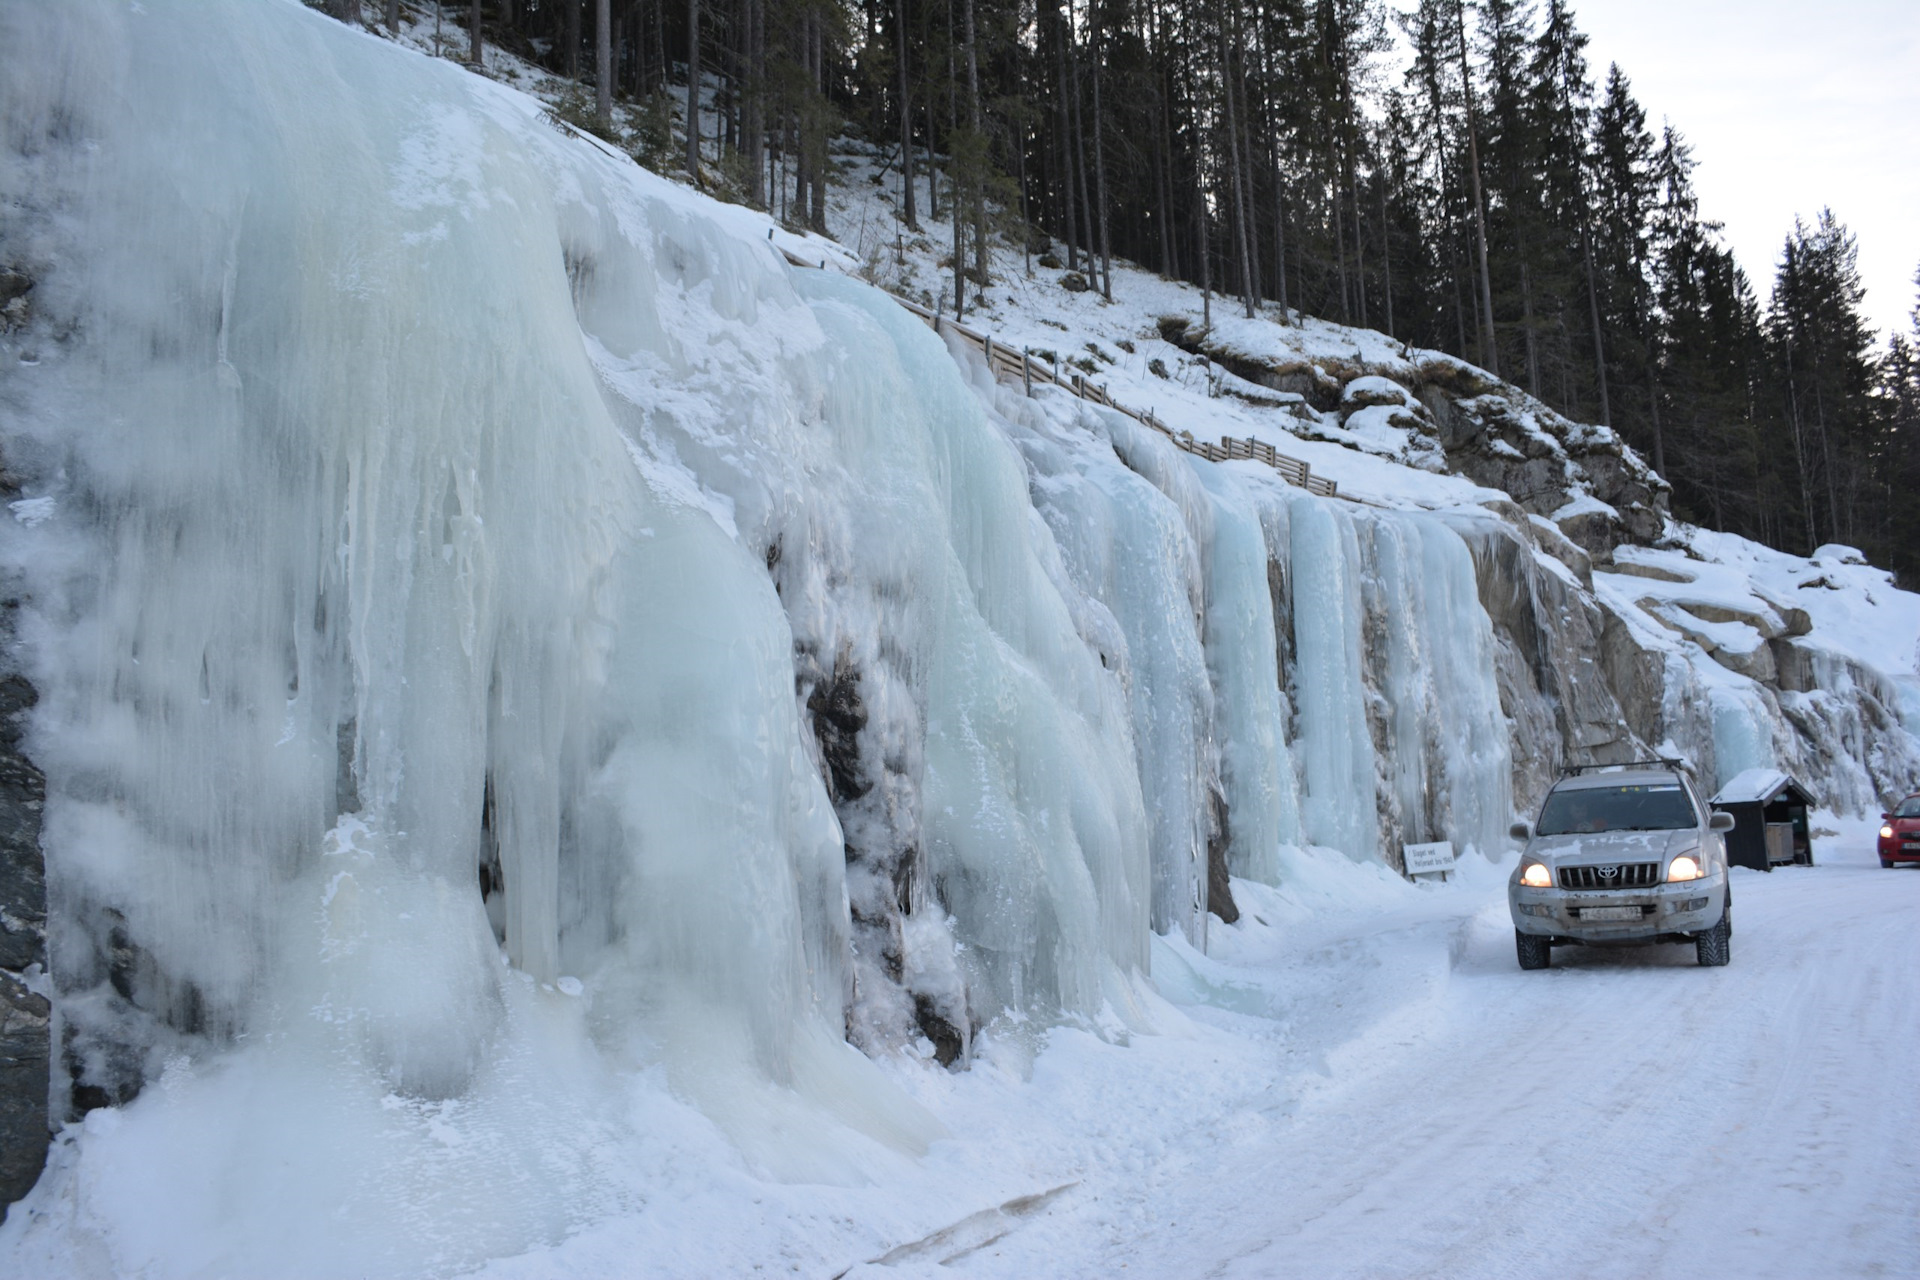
{"points": [[1624, 1114]]}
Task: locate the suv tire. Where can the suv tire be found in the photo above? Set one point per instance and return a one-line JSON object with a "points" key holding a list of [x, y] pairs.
{"points": [[1715, 947], [1535, 952]]}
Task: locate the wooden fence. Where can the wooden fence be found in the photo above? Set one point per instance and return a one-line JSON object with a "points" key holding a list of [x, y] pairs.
{"points": [[1010, 365]]}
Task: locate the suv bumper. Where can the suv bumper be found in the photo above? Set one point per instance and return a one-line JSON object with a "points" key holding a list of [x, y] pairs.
{"points": [[1665, 911]]}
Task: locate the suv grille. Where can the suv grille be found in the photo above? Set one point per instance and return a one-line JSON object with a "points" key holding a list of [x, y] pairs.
{"points": [[1626, 875]]}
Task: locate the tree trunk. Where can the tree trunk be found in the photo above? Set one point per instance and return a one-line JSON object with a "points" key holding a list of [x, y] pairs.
{"points": [[1350, 131], [1526, 315], [933, 169], [1459, 303], [1085, 229], [473, 28], [1593, 305], [1659, 435], [1280, 245], [1026, 209], [1489, 343], [1359, 236], [1386, 251], [1163, 184], [1800, 461], [657, 81], [754, 125], [693, 91], [1066, 147], [1279, 188], [1838, 532], [1241, 239], [816, 132], [603, 62], [1100, 164], [1339, 230], [906, 115], [802, 150], [976, 180]]}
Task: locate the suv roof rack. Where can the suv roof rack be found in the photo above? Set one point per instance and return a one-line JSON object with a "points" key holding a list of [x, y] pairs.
{"points": [[1668, 762]]}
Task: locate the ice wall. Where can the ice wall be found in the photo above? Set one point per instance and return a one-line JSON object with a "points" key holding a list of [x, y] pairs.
{"points": [[438, 517], [1136, 556], [1260, 791], [350, 580], [1338, 786], [1446, 749], [502, 633]]}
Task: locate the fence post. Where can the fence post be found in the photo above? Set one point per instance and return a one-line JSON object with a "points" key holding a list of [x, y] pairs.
{"points": [[1026, 371]]}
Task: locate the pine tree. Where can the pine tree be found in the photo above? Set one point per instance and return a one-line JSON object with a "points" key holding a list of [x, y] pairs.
{"points": [[1625, 190], [1898, 453], [1708, 344], [1561, 103], [1490, 203], [1821, 350]]}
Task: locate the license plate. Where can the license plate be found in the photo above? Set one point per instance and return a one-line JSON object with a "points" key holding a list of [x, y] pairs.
{"points": [[1609, 913]]}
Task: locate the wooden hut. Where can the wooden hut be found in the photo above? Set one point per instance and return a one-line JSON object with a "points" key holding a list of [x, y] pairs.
{"points": [[1769, 820]]}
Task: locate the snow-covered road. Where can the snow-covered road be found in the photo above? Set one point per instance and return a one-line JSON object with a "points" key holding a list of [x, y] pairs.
{"points": [[1625, 1114]]}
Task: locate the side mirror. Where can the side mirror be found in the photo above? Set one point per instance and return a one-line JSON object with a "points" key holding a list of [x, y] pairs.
{"points": [[1886, 817], [1520, 831], [1720, 821]]}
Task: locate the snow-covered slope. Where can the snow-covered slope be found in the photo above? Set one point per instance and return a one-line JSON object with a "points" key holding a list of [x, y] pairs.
{"points": [[528, 680]]}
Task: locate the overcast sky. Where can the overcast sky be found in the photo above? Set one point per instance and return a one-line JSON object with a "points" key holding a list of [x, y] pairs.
{"points": [[1789, 106]]}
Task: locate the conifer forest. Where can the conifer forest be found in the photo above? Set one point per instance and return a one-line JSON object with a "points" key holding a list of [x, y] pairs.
{"points": [[1454, 173]]}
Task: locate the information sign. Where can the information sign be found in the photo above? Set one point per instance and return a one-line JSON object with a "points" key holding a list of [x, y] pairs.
{"points": [[1428, 859]]}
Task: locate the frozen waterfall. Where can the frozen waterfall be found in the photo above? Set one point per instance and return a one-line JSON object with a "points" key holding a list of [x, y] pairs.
{"points": [[441, 504]]}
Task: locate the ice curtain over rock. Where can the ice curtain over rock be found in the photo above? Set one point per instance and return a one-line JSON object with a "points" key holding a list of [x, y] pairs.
{"points": [[506, 644]]}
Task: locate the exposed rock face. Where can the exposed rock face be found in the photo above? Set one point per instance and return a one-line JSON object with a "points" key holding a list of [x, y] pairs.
{"points": [[1569, 685], [1219, 881], [1459, 420], [906, 982], [1576, 681], [25, 1060], [838, 717], [25, 1014]]}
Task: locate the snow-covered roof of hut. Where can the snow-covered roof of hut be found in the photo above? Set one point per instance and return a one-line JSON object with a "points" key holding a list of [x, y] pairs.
{"points": [[1756, 786]]}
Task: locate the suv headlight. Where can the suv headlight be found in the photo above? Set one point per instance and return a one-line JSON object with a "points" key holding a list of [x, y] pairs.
{"points": [[1684, 867], [1536, 876]]}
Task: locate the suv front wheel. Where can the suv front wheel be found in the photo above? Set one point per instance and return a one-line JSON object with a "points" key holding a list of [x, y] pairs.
{"points": [[1715, 946], [1536, 952]]}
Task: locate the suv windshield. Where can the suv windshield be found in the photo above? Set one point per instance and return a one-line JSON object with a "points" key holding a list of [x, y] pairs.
{"points": [[1655, 807], [1909, 808]]}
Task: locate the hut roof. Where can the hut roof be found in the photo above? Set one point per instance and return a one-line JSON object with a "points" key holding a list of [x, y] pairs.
{"points": [[1758, 786]]}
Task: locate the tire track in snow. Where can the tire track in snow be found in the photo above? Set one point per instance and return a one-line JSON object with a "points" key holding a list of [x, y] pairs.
{"points": [[1624, 1114]]}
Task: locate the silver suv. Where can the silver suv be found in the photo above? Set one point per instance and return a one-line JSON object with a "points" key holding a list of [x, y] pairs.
{"points": [[1622, 854]]}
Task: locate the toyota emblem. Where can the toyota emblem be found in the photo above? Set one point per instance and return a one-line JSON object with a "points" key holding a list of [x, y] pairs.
{"points": [[1607, 873]]}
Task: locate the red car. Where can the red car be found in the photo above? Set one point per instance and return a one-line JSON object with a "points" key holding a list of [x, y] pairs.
{"points": [[1900, 833]]}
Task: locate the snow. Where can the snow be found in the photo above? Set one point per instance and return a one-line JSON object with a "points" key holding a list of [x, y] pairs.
{"points": [[32, 511], [1855, 608], [1429, 1109], [425, 462], [1373, 389], [1583, 505], [1750, 786]]}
